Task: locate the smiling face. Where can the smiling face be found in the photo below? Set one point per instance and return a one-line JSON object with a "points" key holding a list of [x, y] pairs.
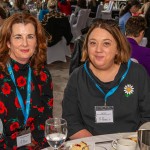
{"points": [[102, 49], [22, 42]]}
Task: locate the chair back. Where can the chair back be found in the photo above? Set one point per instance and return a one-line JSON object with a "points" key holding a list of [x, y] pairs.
{"points": [[58, 52], [107, 14], [72, 19], [82, 18], [99, 11], [87, 13], [81, 23], [110, 5]]}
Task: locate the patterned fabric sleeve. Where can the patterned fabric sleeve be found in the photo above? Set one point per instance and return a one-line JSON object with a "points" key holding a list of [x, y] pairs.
{"points": [[45, 111]]}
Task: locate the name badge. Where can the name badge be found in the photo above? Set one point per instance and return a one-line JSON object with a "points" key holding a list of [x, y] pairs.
{"points": [[104, 114], [24, 138]]}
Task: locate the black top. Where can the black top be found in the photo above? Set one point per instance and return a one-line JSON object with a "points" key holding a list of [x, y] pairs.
{"points": [[131, 101], [41, 104], [57, 25]]}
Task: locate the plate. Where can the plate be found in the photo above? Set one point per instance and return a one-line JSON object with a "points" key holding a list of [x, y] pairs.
{"points": [[90, 144]]}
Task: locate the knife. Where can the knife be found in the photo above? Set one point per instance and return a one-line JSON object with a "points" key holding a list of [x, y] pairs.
{"points": [[103, 142]]}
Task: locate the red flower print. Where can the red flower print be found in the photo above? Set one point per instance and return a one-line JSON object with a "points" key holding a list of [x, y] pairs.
{"points": [[32, 127], [6, 89], [41, 109], [16, 67], [1, 140], [35, 72], [42, 127], [51, 85], [43, 76], [4, 146], [40, 88], [14, 126], [1, 76], [32, 86], [14, 135], [21, 81], [31, 100], [17, 102], [14, 147], [30, 119], [50, 102], [29, 148], [2, 108], [45, 140]]}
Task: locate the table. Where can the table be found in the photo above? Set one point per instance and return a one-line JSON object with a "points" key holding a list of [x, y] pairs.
{"points": [[100, 138]]}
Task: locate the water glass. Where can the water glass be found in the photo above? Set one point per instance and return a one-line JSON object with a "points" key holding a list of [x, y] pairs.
{"points": [[56, 132]]}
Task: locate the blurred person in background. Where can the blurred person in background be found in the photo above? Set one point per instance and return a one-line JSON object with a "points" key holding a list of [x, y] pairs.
{"points": [[93, 4], [64, 7], [3, 15], [2, 3], [147, 31], [19, 6], [7, 7], [142, 11], [135, 29], [43, 11], [56, 25], [26, 91], [81, 4], [130, 8], [109, 93]]}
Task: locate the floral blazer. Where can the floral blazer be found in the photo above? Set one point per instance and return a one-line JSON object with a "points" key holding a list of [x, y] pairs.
{"points": [[41, 105]]}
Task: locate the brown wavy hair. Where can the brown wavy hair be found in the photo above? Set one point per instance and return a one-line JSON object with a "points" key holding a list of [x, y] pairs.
{"points": [[38, 59], [123, 47]]}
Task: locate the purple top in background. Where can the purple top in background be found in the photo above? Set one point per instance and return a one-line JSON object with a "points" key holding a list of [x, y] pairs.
{"points": [[142, 54]]}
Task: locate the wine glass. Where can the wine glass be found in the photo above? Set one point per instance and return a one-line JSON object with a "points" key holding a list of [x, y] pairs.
{"points": [[56, 132]]}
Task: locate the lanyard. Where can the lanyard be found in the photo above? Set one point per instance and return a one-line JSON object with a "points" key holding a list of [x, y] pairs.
{"points": [[111, 91], [24, 110]]}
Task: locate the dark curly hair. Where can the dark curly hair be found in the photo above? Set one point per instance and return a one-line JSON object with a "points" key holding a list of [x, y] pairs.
{"points": [[135, 25]]}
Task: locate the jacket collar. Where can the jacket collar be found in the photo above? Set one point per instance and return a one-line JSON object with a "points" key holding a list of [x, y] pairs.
{"points": [[132, 41]]}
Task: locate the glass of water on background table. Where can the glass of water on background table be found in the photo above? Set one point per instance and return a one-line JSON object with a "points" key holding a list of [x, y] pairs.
{"points": [[56, 132]]}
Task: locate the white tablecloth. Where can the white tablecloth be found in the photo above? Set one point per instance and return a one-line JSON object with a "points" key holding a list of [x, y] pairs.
{"points": [[100, 138]]}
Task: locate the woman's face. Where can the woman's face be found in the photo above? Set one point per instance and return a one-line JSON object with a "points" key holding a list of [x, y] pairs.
{"points": [[22, 42], [134, 9], [102, 49]]}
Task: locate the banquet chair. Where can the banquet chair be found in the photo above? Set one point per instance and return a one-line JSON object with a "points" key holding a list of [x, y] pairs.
{"points": [[98, 14], [81, 23], [107, 14], [72, 19], [58, 52], [99, 11]]}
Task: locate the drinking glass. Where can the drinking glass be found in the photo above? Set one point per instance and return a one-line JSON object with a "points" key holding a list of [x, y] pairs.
{"points": [[1, 128], [144, 136], [56, 132]]}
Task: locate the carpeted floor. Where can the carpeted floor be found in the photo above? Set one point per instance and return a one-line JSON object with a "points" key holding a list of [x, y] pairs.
{"points": [[60, 75]]}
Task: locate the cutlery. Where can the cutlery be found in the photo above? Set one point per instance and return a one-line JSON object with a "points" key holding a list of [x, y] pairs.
{"points": [[103, 142]]}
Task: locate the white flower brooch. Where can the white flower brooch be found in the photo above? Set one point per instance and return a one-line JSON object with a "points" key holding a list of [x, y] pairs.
{"points": [[128, 89]]}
